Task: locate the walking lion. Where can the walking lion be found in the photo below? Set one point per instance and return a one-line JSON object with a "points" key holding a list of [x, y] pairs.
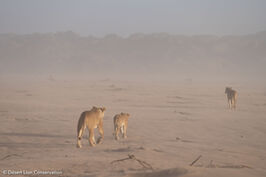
{"points": [[91, 119], [231, 97], [120, 124]]}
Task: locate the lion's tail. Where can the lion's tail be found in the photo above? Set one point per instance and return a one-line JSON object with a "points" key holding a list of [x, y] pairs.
{"points": [[81, 124]]}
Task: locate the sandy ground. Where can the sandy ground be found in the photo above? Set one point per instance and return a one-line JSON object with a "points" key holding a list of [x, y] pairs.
{"points": [[171, 124]]}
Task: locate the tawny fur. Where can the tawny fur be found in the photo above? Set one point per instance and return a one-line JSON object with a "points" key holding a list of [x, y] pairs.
{"points": [[231, 97], [120, 125], [91, 119]]}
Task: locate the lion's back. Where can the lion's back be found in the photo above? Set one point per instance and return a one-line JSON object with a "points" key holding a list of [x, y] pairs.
{"points": [[121, 119], [92, 119]]}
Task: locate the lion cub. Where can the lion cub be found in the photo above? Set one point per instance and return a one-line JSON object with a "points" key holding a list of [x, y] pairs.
{"points": [[91, 119], [120, 124]]}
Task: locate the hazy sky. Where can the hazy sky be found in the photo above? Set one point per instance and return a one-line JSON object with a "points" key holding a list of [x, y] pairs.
{"points": [[125, 17]]}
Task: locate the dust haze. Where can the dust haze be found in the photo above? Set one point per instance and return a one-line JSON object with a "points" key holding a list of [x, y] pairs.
{"points": [[158, 56]]}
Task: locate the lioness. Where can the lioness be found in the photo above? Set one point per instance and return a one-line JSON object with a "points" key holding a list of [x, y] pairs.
{"points": [[91, 119], [231, 96], [120, 124]]}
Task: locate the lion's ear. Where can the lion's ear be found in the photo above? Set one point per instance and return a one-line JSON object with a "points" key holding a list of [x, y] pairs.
{"points": [[93, 108], [103, 109], [128, 114]]}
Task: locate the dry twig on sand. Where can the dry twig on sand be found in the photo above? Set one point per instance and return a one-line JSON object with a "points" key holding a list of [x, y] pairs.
{"points": [[10, 156], [195, 160], [131, 156]]}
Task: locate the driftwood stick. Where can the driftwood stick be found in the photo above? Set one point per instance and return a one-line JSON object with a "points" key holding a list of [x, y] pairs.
{"points": [[10, 156], [119, 160], [143, 163], [195, 160], [131, 156]]}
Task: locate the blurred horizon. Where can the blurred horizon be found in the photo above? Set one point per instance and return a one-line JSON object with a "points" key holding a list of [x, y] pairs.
{"points": [[70, 32], [158, 56]]}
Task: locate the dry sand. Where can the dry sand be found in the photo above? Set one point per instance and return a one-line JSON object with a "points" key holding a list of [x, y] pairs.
{"points": [[171, 124]]}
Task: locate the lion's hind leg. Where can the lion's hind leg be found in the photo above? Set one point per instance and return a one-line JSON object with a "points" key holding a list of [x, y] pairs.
{"points": [[114, 130], [230, 103], [117, 129], [125, 131], [235, 98], [91, 137], [234, 103], [100, 139]]}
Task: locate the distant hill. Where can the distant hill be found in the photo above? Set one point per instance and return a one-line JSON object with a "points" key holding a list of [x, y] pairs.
{"points": [[139, 54]]}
